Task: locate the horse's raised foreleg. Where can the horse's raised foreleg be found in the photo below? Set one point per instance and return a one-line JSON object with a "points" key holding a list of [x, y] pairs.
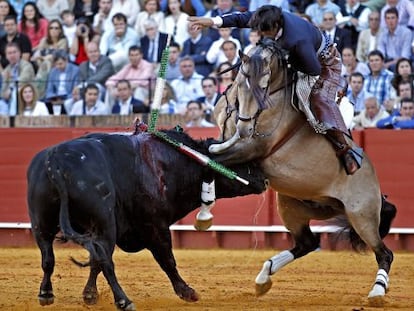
{"points": [[297, 222]]}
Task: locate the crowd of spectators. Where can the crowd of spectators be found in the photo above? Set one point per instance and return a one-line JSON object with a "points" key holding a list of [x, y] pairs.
{"points": [[98, 57]]}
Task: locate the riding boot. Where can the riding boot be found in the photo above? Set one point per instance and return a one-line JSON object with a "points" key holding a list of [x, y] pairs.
{"points": [[343, 151]]}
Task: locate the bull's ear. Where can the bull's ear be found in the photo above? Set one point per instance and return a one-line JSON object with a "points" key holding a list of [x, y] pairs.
{"points": [[243, 57]]}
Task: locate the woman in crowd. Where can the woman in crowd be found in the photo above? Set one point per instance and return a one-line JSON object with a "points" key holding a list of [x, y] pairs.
{"points": [[33, 24], [224, 79], [168, 100], [53, 41], [350, 64], [84, 34], [151, 11], [5, 9], [176, 22], [29, 105], [403, 72]]}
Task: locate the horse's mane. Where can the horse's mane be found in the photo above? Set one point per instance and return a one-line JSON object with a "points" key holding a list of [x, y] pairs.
{"points": [[256, 68]]}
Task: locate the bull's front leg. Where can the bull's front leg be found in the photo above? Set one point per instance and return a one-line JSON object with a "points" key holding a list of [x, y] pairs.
{"points": [[161, 249]]}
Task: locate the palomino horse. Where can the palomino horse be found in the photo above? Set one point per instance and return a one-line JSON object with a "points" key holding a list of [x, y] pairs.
{"points": [[301, 165]]}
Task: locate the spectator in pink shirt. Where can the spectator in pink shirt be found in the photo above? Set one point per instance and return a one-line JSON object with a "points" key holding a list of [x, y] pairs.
{"points": [[139, 72], [33, 24]]}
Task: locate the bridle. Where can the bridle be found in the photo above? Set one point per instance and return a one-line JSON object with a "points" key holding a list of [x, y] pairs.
{"points": [[287, 82]]}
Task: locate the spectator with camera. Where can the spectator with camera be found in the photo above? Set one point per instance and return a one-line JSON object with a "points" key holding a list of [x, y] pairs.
{"points": [[84, 34]]}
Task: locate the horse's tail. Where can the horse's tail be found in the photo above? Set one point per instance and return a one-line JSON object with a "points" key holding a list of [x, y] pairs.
{"points": [[387, 214]]}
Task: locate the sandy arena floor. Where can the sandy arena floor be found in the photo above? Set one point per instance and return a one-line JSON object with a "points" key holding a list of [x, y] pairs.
{"points": [[224, 279]]}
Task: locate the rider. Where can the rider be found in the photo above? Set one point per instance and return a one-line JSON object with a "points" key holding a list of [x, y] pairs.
{"points": [[300, 38]]}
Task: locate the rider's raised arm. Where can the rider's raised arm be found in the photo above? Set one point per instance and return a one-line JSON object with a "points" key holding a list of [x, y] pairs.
{"points": [[235, 19]]}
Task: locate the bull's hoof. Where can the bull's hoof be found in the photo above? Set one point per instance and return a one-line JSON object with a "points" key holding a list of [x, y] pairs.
{"points": [[124, 306], [190, 295], [203, 225], [90, 298], [263, 288], [46, 299]]}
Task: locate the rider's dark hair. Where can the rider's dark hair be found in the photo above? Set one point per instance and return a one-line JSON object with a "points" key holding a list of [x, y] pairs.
{"points": [[267, 17]]}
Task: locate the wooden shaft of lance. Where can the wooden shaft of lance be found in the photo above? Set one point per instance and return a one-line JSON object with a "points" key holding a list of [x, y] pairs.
{"points": [[159, 86]]}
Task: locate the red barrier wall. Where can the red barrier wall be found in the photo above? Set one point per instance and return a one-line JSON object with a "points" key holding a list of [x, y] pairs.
{"points": [[392, 153]]}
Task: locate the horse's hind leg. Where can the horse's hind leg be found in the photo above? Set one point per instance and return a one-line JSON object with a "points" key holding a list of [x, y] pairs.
{"points": [[295, 218], [366, 223]]}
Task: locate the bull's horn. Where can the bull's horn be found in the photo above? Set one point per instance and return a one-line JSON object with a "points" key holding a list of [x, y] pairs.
{"points": [[220, 148]]}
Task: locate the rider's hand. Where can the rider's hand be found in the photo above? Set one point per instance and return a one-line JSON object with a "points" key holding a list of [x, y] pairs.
{"points": [[200, 22]]}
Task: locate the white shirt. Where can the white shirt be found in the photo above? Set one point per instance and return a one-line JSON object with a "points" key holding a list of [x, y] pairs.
{"points": [[39, 109], [179, 26], [98, 109], [130, 8], [125, 107], [215, 54]]}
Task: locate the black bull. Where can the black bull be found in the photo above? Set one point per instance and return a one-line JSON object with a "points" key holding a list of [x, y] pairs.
{"points": [[103, 190]]}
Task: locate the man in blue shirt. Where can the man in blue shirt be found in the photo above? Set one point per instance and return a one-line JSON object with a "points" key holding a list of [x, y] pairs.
{"points": [[299, 37], [404, 119]]}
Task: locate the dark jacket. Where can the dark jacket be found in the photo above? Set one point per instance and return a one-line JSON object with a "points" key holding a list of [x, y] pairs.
{"points": [[137, 107], [198, 53], [299, 38], [342, 39], [145, 44], [104, 69]]}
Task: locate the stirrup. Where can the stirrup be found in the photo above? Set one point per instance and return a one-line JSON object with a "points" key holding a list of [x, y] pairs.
{"points": [[352, 160]]}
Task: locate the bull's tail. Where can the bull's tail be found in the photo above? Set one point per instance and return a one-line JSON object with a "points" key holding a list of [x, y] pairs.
{"points": [[387, 214], [55, 174]]}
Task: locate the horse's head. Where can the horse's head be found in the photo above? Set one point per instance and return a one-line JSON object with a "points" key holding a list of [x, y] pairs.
{"points": [[252, 107], [262, 72]]}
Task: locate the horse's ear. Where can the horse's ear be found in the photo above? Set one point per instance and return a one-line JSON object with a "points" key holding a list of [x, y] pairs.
{"points": [[243, 57]]}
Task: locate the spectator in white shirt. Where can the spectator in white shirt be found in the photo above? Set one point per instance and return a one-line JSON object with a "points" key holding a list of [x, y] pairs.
{"points": [[103, 20], [215, 54], [188, 86], [91, 105], [130, 8]]}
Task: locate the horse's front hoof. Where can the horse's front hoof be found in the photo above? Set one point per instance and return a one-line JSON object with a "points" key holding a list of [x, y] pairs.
{"points": [[263, 288], [46, 298], [376, 297], [376, 301], [203, 225]]}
